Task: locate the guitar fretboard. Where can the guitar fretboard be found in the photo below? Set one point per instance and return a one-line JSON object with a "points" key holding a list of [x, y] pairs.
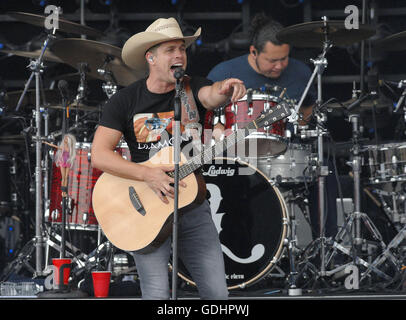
{"points": [[206, 156], [208, 153]]}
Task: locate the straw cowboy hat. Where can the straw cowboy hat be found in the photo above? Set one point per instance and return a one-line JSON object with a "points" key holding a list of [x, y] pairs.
{"points": [[159, 31]]}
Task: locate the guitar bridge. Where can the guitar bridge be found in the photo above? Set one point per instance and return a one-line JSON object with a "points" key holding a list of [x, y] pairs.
{"points": [[136, 201]]}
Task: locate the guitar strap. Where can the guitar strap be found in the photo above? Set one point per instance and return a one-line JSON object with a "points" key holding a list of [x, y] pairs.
{"points": [[190, 115]]}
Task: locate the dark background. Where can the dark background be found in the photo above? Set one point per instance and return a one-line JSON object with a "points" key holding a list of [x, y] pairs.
{"points": [[225, 24]]}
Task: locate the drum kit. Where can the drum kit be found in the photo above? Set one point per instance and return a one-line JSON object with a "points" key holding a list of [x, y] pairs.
{"points": [[286, 159], [254, 213]]}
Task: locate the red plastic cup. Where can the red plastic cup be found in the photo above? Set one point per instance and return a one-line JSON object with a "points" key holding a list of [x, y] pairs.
{"points": [[58, 263], [101, 283]]}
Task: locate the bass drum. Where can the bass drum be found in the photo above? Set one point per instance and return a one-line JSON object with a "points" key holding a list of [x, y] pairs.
{"points": [[251, 217]]}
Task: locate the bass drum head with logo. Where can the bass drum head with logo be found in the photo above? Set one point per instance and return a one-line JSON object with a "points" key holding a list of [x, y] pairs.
{"points": [[251, 218]]}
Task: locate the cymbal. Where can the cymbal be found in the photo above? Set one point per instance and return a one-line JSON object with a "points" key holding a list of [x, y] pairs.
{"points": [[12, 139], [73, 77], [75, 106], [48, 56], [74, 51], [395, 42], [311, 34], [366, 105], [64, 25], [51, 97]]}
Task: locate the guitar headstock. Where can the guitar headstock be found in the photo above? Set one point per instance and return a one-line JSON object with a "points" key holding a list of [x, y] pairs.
{"points": [[274, 114]]}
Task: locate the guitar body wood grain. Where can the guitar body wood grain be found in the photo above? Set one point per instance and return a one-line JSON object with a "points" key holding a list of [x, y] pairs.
{"points": [[128, 229]]}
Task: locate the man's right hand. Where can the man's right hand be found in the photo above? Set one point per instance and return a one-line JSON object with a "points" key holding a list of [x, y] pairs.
{"points": [[161, 183]]}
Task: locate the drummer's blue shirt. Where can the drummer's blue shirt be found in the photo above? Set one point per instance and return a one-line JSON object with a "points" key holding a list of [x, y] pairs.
{"points": [[294, 78]]}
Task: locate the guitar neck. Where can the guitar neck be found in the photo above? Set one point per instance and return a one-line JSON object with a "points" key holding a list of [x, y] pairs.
{"points": [[208, 154], [282, 110]]}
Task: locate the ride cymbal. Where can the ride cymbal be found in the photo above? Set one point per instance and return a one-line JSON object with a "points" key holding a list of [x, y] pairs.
{"points": [[97, 55], [395, 42], [48, 56], [312, 34], [367, 105], [63, 25], [51, 97]]}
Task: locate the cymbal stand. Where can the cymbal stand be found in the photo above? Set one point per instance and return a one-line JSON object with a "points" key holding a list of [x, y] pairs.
{"points": [[110, 87], [322, 171], [353, 223], [36, 67]]}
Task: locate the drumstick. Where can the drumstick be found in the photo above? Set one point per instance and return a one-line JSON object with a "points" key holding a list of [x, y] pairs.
{"points": [[282, 93]]}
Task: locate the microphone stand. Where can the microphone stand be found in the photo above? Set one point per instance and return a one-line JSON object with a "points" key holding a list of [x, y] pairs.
{"points": [[176, 133], [64, 198]]}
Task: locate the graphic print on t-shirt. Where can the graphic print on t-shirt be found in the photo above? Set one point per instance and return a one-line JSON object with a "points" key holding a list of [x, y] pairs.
{"points": [[148, 127], [153, 131]]}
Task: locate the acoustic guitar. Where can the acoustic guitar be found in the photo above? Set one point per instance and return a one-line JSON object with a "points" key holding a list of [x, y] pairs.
{"points": [[132, 216]]}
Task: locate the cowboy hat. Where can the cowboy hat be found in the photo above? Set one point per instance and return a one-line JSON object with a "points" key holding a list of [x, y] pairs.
{"points": [[161, 30]]}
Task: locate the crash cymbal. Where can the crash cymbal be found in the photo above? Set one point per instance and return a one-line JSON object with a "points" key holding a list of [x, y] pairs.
{"points": [[367, 105], [64, 25], [311, 34], [72, 77], [48, 56], [75, 106], [51, 97], [12, 139], [75, 51], [395, 42]]}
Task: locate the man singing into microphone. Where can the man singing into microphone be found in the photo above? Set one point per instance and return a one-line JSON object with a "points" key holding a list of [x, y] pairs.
{"points": [[143, 114]]}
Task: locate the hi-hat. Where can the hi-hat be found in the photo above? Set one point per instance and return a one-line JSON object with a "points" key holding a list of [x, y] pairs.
{"points": [[75, 106], [395, 42], [97, 55], [367, 105], [312, 34], [63, 25], [48, 56]]}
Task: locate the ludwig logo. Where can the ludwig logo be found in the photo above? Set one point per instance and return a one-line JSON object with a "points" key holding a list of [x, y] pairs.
{"points": [[213, 172]]}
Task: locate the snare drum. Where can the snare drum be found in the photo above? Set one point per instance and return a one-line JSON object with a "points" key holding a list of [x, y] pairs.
{"points": [[264, 142], [82, 178], [250, 215], [384, 163], [292, 167]]}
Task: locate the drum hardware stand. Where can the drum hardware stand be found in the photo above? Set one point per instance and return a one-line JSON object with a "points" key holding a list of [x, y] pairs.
{"points": [[321, 169], [393, 214], [53, 237], [36, 67], [352, 224], [293, 198], [401, 84], [320, 65], [387, 254], [110, 87]]}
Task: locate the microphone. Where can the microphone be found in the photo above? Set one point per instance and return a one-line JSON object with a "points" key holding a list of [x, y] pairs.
{"points": [[179, 73], [63, 89]]}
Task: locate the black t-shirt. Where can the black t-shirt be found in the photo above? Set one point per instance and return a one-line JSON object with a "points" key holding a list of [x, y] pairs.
{"points": [[135, 110]]}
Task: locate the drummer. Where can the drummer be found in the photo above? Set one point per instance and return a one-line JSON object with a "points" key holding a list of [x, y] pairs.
{"points": [[267, 64]]}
